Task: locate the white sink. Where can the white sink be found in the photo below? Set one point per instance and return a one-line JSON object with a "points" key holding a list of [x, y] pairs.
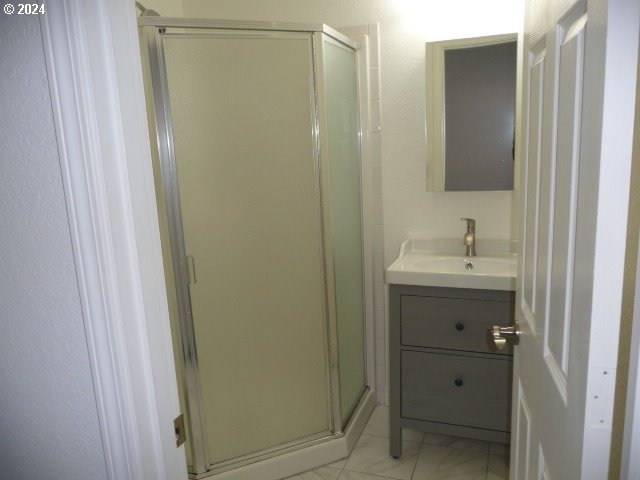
{"points": [[435, 263]]}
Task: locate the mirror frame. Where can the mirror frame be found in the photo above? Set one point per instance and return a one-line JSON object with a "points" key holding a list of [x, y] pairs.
{"points": [[435, 96]]}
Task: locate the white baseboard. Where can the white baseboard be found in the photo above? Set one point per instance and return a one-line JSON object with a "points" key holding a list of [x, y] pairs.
{"points": [[315, 456]]}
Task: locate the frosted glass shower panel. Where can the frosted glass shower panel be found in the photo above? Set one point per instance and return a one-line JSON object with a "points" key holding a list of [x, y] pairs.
{"points": [[241, 109], [343, 137]]}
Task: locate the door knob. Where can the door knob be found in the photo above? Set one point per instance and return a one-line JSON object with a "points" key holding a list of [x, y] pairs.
{"points": [[502, 335]]}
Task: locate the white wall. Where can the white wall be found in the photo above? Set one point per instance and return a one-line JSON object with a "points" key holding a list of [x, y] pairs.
{"points": [[405, 26], [48, 419], [409, 210], [166, 8]]}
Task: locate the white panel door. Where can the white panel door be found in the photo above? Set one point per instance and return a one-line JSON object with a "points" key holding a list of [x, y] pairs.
{"points": [[579, 74]]}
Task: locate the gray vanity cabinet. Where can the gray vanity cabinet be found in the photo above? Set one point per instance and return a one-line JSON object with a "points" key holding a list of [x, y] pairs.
{"points": [[446, 376]]}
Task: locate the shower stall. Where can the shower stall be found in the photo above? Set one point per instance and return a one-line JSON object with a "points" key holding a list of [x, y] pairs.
{"points": [[258, 176]]}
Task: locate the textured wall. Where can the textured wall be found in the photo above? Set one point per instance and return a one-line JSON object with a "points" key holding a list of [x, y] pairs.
{"points": [[409, 210], [48, 418], [166, 8]]}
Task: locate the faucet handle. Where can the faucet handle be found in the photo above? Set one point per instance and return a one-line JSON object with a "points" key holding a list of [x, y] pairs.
{"points": [[471, 224]]}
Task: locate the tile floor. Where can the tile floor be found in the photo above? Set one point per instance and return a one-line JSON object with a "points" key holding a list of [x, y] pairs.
{"points": [[425, 456]]}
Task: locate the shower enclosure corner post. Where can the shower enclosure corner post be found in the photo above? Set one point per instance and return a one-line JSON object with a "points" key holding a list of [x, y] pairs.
{"points": [[161, 109]]}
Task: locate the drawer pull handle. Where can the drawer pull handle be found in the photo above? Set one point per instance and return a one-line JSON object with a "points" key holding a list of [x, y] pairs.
{"points": [[458, 382], [459, 326]]}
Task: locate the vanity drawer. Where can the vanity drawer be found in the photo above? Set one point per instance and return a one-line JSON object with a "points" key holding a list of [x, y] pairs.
{"points": [[453, 323], [458, 390]]}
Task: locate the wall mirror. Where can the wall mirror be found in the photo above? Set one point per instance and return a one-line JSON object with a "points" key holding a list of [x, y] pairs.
{"points": [[471, 89]]}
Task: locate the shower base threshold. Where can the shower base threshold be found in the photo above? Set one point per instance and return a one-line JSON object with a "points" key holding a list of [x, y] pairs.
{"points": [[286, 461]]}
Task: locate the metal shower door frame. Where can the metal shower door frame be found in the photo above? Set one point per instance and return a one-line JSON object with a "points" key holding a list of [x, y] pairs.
{"points": [[164, 132]]}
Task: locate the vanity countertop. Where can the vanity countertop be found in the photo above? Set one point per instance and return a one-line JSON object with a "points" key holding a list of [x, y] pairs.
{"points": [[441, 263]]}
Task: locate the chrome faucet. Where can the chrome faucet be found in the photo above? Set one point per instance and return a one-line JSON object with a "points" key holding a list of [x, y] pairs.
{"points": [[469, 239]]}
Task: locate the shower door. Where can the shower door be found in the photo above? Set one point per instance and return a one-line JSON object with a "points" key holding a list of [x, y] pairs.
{"points": [[245, 161], [258, 152]]}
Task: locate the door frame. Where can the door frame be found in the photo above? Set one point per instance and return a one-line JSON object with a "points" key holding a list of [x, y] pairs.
{"points": [[630, 463], [95, 79]]}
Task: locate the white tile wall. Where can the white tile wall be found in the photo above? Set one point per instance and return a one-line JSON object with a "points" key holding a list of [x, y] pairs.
{"points": [[376, 128], [373, 201]]}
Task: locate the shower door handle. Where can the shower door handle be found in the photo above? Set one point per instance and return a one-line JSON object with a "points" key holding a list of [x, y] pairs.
{"points": [[191, 269]]}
